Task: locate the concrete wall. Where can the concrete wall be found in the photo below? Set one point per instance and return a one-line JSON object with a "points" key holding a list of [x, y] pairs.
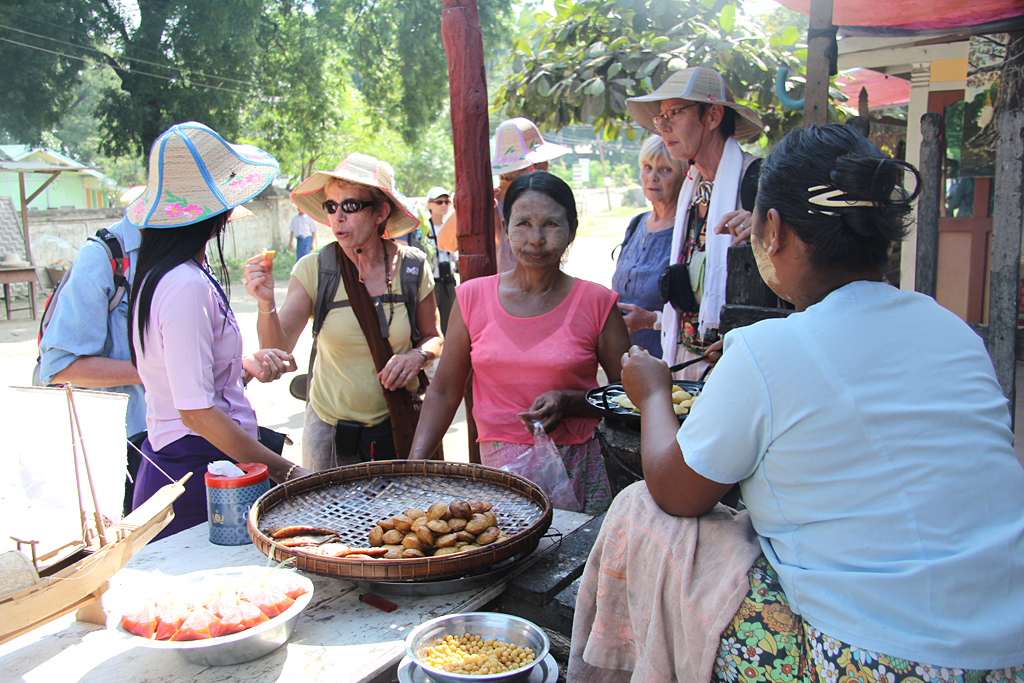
{"points": [[57, 234]]}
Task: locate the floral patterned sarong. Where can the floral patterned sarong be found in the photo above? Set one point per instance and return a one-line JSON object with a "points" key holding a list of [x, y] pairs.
{"points": [[767, 642]]}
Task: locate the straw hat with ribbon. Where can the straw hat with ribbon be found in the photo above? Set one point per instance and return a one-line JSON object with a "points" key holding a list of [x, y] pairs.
{"points": [[518, 144], [194, 174], [697, 84], [359, 169]]}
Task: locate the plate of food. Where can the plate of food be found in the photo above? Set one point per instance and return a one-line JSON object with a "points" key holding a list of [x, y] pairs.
{"points": [[218, 617], [613, 403]]}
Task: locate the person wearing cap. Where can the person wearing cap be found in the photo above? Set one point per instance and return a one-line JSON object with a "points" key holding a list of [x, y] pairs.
{"points": [[519, 148], [695, 114], [185, 341], [302, 231], [347, 418], [444, 262]]}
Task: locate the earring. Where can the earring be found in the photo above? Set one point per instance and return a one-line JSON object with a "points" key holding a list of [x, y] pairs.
{"points": [[771, 248]]}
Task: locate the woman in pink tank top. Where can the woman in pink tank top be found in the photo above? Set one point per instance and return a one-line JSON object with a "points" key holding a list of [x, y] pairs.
{"points": [[533, 338]]}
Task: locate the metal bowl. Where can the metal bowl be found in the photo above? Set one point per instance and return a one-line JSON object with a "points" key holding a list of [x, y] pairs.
{"points": [[504, 627], [240, 647]]}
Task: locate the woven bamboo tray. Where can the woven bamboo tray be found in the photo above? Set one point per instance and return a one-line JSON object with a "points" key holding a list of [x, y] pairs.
{"points": [[352, 499]]}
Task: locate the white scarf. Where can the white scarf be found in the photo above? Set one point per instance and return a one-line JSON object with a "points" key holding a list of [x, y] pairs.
{"points": [[723, 200]]}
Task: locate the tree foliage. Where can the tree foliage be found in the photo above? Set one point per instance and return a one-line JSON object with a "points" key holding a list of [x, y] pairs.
{"points": [[37, 85], [184, 61], [583, 61], [397, 54]]}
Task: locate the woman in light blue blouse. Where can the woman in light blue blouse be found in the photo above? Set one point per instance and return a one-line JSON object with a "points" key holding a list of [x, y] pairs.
{"points": [[647, 246]]}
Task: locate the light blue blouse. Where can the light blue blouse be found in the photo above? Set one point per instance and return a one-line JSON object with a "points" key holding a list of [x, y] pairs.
{"points": [[873, 448]]}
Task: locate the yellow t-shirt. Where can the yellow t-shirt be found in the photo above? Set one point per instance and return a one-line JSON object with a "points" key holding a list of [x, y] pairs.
{"points": [[345, 384]]}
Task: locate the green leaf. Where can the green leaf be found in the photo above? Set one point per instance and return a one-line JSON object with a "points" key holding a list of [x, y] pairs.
{"points": [[596, 87], [676, 64], [631, 134], [542, 17], [801, 54], [775, 41], [543, 87], [614, 69], [790, 35], [727, 19]]}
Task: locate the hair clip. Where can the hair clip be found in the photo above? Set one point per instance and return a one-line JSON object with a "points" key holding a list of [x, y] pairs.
{"points": [[833, 197]]}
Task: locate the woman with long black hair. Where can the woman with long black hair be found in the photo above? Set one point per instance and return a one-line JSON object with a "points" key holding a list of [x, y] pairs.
{"points": [[185, 341]]}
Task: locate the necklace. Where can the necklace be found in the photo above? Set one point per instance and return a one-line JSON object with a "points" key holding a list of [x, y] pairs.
{"points": [[387, 278], [702, 195]]}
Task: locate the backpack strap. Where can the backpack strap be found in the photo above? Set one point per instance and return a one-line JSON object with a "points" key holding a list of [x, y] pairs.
{"points": [[630, 229], [118, 264], [413, 263]]}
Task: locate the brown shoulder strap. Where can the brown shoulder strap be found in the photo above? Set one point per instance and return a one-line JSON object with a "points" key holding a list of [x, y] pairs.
{"points": [[404, 412]]}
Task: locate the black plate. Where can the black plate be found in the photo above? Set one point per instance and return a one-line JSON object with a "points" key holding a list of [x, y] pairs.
{"points": [[601, 400]]}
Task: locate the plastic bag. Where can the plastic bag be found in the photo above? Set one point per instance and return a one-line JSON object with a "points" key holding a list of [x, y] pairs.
{"points": [[543, 465]]}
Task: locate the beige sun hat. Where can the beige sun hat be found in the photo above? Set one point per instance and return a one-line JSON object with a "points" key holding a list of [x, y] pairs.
{"points": [[697, 84], [360, 169], [195, 174], [519, 144]]}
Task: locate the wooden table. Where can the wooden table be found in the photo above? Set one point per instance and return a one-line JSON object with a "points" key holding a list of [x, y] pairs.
{"points": [[336, 639], [20, 274]]}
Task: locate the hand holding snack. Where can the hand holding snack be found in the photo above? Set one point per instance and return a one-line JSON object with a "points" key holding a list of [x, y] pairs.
{"points": [[258, 278]]}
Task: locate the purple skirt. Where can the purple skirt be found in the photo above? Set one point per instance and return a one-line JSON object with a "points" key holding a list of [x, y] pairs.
{"points": [[188, 454]]}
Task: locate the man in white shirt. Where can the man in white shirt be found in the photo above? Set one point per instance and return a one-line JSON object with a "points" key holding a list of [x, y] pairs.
{"points": [[303, 232]]}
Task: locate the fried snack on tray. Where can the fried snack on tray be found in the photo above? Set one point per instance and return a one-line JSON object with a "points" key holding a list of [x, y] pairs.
{"points": [[268, 257], [444, 528], [298, 530], [300, 541]]}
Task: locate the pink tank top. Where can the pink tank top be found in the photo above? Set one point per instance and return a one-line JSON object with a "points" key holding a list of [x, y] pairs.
{"points": [[517, 359]]}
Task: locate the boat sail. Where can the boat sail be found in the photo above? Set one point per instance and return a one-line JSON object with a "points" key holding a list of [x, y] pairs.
{"points": [[61, 513]]}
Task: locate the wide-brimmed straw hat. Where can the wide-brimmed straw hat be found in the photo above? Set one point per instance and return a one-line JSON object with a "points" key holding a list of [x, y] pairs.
{"points": [[359, 169], [697, 84], [194, 174], [518, 144]]}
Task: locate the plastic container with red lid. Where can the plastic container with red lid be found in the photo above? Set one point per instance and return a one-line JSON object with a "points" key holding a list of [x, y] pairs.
{"points": [[228, 500]]}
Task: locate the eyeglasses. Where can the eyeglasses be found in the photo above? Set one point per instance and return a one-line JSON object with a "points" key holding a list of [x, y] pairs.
{"points": [[446, 202], [346, 205], [670, 115]]}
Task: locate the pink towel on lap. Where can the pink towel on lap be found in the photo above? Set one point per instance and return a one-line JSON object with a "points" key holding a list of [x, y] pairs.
{"points": [[658, 591]]}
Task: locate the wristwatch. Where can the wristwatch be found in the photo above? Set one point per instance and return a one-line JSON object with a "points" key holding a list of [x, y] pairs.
{"points": [[426, 358]]}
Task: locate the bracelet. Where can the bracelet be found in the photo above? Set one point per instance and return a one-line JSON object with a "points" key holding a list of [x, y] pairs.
{"points": [[272, 310], [426, 358], [291, 469]]}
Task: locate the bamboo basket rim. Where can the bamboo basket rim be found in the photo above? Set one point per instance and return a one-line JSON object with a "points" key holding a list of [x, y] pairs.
{"points": [[408, 569]]}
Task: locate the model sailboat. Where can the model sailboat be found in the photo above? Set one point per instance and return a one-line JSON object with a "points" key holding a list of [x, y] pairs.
{"points": [[69, 447]]}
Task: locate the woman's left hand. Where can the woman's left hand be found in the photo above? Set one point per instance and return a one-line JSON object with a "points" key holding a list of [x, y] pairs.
{"points": [[548, 409], [266, 365], [401, 370], [637, 318], [737, 223]]}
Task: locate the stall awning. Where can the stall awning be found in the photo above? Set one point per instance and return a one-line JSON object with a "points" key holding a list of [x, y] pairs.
{"points": [[918, 14], [883, 90]]}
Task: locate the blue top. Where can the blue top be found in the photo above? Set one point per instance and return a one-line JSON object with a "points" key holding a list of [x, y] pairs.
{"points": [[642, 260], [873, 448], [81, 325]]}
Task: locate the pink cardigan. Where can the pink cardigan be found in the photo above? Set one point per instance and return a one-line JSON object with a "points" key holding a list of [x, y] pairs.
{"points": [[517, 359]]}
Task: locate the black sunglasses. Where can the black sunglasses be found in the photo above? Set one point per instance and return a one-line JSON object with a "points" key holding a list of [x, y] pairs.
{"points": [[346, 205]]}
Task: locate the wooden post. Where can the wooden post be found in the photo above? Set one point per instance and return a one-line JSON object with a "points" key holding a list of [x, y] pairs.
{"points": [[467, 86], [929, 204], [474, 196], [1007, 218], [743, 283], [816, 94]]}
